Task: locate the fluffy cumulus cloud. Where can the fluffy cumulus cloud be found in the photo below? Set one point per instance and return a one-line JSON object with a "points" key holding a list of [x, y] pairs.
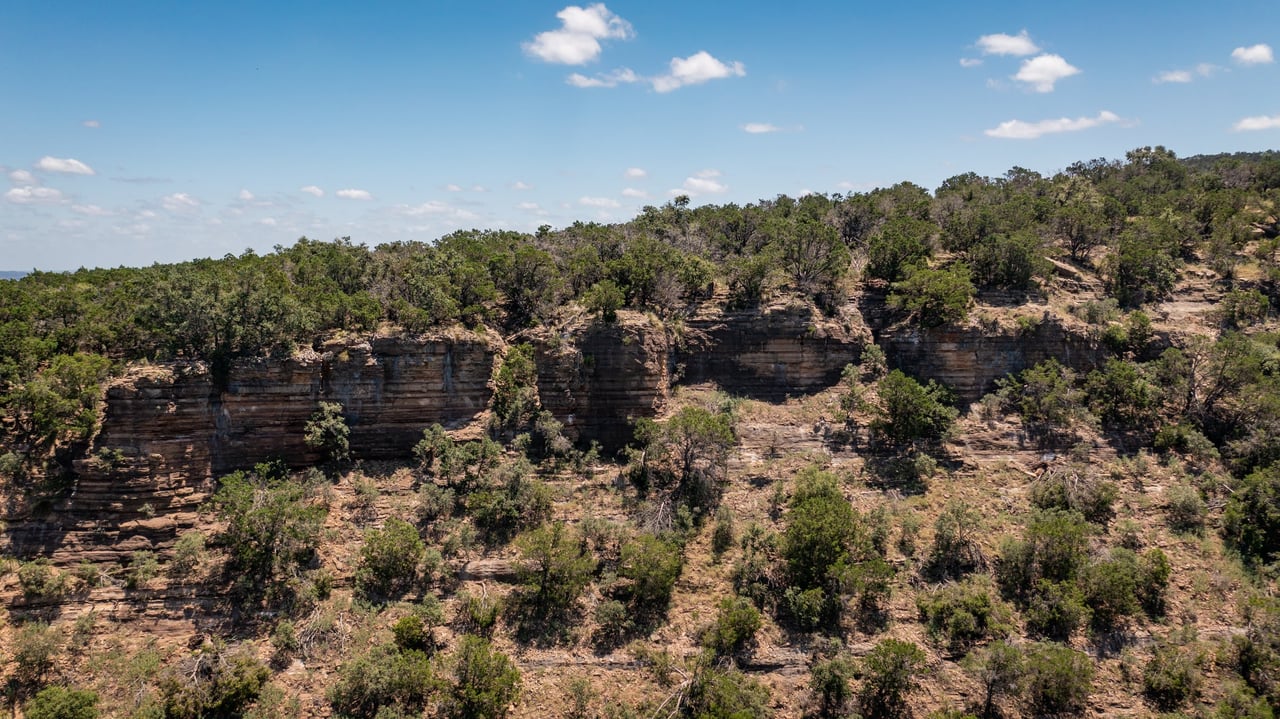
{"points": [[180, 202], [245, 196], [23, 177], [312, 190], [635, 194], [1178, 76], [532, 208], [1042, 72], [66, 165], [705, 182], [760, 128], [1260, 122], [353, 194], [695, 70], [436, 208], [1001, 44], [33, 196], [613, 78], [1020, 130], [577, 41], [635, 173], [970, 61], [601, 202], [1259, 54], [521, 185]]}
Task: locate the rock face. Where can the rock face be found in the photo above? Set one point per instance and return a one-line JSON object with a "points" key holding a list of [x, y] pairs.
{"points": [[770, 354], [168, 431], [596, 378], [970, 359]]}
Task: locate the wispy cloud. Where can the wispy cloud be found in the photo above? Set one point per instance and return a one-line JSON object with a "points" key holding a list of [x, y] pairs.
{"points": [[1002, 44], [970, 61], [92, 124], [1204, 69], [354, 194], [180, 202], [33, 196], [1042, 72], [635, 194], [66, 165], [1259, 122], [608, 202], [519, 185], [245, 196], [760, 128], [577, 42], [312, 190], [1259, 54], [696, 69], [1020, 130], [613, 78], [635, 173]]}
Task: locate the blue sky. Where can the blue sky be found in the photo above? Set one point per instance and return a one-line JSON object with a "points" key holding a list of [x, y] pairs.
{"points": [[136, 132]]}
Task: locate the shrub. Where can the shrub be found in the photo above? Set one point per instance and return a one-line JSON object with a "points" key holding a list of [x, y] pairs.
{"points": [[1073, 487], [39, 580], [999, 668], [389, 560], [604, 298], [212, 685], [515, 389], [890, 671], [734, 628], [1153, 580], [59, 702], [554, 569], [1058, 679], [911, 412], [958, 616], [1111, 587], [653, 565], [1009, 261], [722, 535], [1251, 520], [143, 567], [1256, 655], [382, 677], [327, 431], [412, 633], [188, 553], [1172, 676], [1122, 395], [34, 648], [1241, 308], [829, 684], [1053, 548], [955, 550], [485, 682], [822, 531], [716, 692], [1046, 399], [1184, 509], [1055, 610], [934, 297], [478, 614]]}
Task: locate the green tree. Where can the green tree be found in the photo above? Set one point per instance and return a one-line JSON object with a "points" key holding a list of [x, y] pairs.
{"points": [[911, 412], [389, 560], [554, 568], [515, 389], [605, 298], [59, 702], [272, 525], [934, 297], [734, 628], [890, 672], [327, 431], [384, 676], [999, 668], [1251, 520], [1058, 679], [485, 682]]}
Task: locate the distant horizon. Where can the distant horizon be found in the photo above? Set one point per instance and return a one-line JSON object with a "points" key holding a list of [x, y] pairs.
{"points": [[152, 132]]}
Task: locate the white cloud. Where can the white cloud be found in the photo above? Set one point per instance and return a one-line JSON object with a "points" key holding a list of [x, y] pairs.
{"points": [[352, 194], [452, 188], [180, 202], [92, 123], [696, 69], [759, 128], [970, 61], [479, 188], [435, 208], [91, 210], [635, 173], [246, 196], [312, 190], [1042, 71], [519, 185], [1002, 44], [68, 165], [533, 208], [1260, 122], [578, 40], [703, 182], [634, 193], [33, 195], [23, 177], [599, 202], [613, 78], [1019, 130], [1172, 76], [267, 222], [1259, 54]]}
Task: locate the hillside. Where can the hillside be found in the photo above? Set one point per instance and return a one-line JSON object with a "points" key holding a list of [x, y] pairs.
{"points": [[1007, 448]]}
